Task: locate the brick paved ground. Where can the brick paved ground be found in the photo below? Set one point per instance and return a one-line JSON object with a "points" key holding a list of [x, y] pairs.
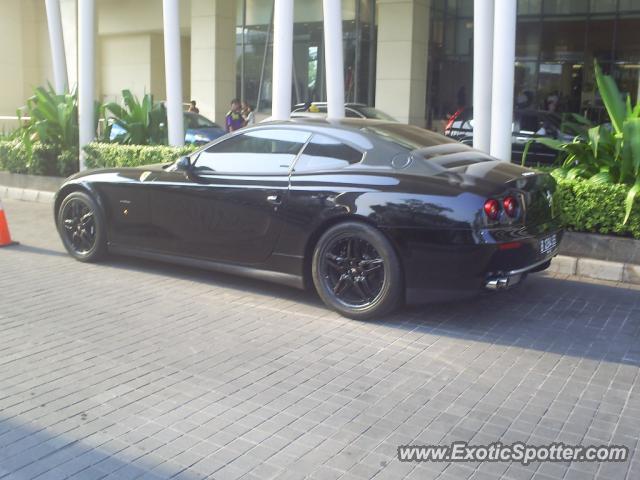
{"points": [[130, 369]]}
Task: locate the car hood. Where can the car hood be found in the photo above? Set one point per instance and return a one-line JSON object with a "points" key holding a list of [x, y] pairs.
{"points": [[125, 171]]}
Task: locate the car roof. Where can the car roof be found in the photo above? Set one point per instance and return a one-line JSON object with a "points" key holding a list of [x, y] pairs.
{"points": [[324, 104], [378, 138]]}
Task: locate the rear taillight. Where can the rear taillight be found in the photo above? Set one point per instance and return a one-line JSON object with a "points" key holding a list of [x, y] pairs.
{"points": [[510, 205], [492, 209]]}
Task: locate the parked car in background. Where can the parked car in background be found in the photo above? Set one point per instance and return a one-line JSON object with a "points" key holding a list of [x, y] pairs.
{"points": [[351, 110], [527, 125], [371, 213], [197, 129]]}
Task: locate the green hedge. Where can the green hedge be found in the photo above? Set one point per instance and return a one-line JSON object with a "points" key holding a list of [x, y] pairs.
{"points": [[100, 155], [40, 159], [599, 208]]}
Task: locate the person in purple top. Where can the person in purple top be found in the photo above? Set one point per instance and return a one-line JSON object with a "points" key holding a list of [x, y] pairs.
{"points": [[234, 119]]}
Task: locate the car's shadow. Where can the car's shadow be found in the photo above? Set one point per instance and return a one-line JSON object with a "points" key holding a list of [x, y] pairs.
{"points": [[565, 316]]}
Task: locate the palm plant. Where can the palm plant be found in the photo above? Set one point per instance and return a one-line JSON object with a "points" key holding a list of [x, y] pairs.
{"points": [[143, 122], [605, 153], [52, 119]]}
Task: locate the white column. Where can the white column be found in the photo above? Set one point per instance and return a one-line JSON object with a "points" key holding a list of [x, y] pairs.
{"points": [[504, 51], [482, 72], [282, 59], [334, 64], [54, 21], [173, 70], [86, 73]]}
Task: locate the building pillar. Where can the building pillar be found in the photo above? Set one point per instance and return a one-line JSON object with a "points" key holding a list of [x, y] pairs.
{"points": [[504, 51], [482, 72], [86, 73], [58, 60], [69, 19], [332, 10], [173, 71], [401, 67], [282, 59], [213, 56]]}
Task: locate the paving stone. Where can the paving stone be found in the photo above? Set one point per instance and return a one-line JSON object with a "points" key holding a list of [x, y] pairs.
{"points": [[129, 368]]}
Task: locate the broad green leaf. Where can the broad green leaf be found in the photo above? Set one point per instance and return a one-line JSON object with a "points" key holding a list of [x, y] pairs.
{"points": [[628, 203], [630, 168], [551, 143], [525, 152], [601, 177], [594, 139], [611, 98]]}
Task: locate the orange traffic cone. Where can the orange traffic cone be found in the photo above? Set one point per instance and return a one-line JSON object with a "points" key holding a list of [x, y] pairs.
{"points": [[5, 236]]}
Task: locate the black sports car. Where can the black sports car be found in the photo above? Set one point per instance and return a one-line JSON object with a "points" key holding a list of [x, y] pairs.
{"points": [[371, 213]]}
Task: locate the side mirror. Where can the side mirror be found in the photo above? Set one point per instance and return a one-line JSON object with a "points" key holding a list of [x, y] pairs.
{"points": [[183, 164]]}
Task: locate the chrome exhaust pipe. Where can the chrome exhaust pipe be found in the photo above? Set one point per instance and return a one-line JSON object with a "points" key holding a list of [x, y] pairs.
{"points": [[497, 283]]}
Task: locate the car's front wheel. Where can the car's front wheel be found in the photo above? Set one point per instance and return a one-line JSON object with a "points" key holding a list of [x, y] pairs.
{"points": [[356, 271], [82, 227]]}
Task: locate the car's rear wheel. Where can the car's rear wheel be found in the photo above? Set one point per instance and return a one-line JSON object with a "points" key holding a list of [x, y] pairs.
{"points": [[82, 227], [356, 271]]}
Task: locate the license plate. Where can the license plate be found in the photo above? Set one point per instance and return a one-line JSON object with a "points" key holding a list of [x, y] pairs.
{"points": [[548, 244]]}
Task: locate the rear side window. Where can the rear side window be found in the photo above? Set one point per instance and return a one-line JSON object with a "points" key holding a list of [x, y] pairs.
{"points": [[326, 153]]}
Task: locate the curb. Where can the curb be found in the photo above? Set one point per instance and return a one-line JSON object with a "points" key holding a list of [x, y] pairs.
{"points": [[597, 269], [26, 194], [561, 264]]}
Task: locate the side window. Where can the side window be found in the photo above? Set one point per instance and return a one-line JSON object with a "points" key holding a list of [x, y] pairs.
{"points": [[352, 113], [325, 153], [260, 151]]}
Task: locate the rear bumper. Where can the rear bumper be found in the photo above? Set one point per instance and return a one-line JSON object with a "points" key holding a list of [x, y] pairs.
{"points": [[511, 278], [445, 270]]}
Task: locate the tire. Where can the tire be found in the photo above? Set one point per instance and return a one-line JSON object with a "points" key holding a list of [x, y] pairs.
{"points": [[356, 271], [82, 227]]}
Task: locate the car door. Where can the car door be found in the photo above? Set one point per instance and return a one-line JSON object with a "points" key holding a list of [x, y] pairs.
{"points": [[227, 207]]}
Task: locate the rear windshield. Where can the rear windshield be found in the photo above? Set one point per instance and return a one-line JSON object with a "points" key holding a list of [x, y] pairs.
{"points": [[407, 136], [370, 112]]}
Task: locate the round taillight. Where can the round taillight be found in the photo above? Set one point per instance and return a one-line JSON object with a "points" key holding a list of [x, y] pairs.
{"points": [[492, 209], [510, 205]]}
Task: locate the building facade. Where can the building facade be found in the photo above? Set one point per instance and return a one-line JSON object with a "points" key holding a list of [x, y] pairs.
{"points": [[410, 58]]}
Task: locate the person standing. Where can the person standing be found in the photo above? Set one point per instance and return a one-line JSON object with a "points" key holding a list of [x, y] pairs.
{"points": [[193, 108], [247, 113], [234, 119]]}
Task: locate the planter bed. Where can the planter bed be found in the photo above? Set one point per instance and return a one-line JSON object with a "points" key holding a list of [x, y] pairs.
{"points": [[30, 182], [601, 247]]}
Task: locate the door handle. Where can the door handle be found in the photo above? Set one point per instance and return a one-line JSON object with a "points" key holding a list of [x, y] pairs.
{"points": [[274, 199]]}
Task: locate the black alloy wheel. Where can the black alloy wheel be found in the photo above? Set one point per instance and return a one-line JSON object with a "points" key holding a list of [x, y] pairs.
{"points": [[356, 271], [81, 227]]}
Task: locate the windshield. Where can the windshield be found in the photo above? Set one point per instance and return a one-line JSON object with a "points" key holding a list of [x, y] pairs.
{"points": [[370, 112], [193, 120]]}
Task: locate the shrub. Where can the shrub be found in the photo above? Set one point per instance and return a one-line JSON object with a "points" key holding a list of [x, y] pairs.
{"points": [[100, 155], [606, 154], [13, 156], [53, 119], [67, 163], [143, 122], [587, 206], [37, 159]]}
